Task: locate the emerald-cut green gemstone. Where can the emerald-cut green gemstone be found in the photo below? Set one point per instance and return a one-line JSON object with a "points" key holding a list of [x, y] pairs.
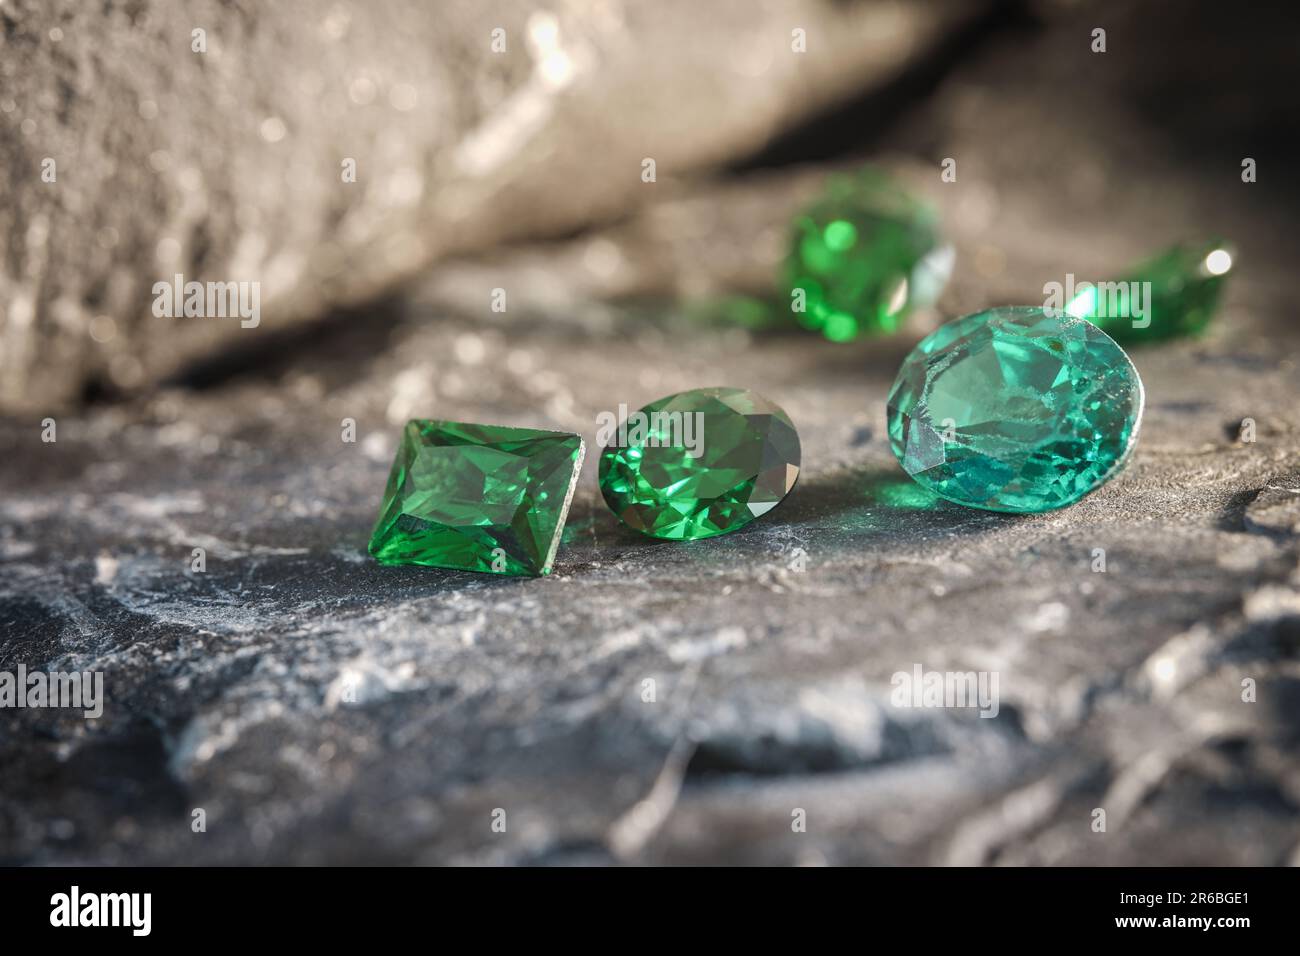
{"points": [[1170, 296], [1015, 409], [477, 497], [700, 463], [862, 256]]}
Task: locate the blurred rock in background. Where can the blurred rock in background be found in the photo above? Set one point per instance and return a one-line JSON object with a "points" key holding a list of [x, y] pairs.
{"points": [[213, 140]]}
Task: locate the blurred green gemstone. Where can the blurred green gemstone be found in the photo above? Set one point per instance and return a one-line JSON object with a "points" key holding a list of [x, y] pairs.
{"points": [[1015, 409], [477, 497], [1173, 295], [700, 463], [862, 256]]}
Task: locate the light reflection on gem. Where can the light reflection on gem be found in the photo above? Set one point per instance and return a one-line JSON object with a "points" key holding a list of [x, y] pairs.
{"points": [[1218, 262]]}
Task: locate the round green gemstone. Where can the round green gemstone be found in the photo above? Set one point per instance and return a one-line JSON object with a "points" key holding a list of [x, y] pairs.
{"points": [[700, 463], [862, 255], [1015, 409]]}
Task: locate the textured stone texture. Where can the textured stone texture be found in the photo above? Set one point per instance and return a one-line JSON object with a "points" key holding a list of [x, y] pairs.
{"points": [[227, 688], [321, 708]]}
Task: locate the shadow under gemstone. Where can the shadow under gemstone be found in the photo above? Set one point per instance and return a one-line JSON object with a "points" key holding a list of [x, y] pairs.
{"points": [[881, 501]]}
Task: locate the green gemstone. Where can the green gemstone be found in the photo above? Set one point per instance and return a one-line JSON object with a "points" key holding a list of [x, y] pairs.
{"points": [[700, 463], [863, 255], [477, 497], [1185, 284], [1015, 409]]}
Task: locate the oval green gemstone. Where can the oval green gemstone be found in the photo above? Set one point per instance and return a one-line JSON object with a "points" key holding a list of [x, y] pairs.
{"points": [[700, 463], [1015, 409]]}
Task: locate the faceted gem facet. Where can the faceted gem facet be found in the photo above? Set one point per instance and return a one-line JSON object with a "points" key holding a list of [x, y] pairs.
{"points": [[1185, 283], [700, 463], [1015, 409], [477, 497], [863, 255]]}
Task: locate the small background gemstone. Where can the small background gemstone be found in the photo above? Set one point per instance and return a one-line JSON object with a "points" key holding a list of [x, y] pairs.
{"points": [[1015, 410], [477, 497], [749, 462], [863, 255], [1186, 283]]}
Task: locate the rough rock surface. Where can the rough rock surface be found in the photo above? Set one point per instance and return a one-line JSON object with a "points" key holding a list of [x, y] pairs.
{"points": [[320, 708]]}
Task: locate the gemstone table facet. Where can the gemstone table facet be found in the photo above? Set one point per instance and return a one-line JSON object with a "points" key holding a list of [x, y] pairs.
{"points": [[477, 497], [747, 461], [1015, 409]]}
